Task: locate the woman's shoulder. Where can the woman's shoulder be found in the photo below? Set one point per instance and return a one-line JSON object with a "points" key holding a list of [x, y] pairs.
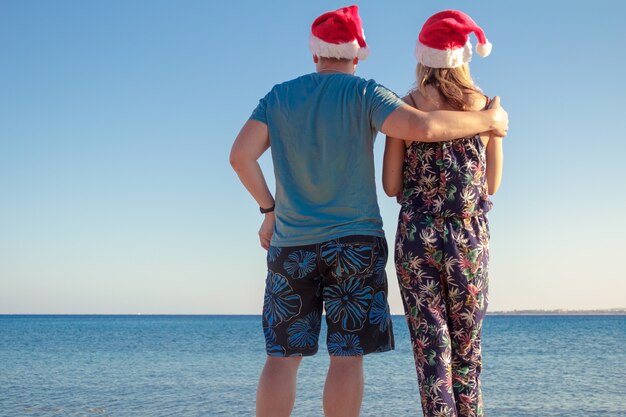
{"points": [[417, 99], [476, 101], [407, 99]]}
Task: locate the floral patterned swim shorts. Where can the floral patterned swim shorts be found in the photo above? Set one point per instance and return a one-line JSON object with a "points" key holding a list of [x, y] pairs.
{"points": [[346, 278]]}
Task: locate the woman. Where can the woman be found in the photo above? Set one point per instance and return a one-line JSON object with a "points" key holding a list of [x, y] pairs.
{"points": [[441, 250]]}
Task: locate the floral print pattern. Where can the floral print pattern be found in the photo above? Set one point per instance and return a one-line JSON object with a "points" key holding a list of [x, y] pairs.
{"points": [[300, 263], [348, 302], [344, 345], [304, 332], [272, 348], [272, 253], [280, 300], [379, 313], [446, 178], [347, 259], [346, 277], [441, 257]]}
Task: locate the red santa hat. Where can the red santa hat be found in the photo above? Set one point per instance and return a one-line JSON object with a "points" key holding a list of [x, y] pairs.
{"points": [[444, 40], [339, 34]]}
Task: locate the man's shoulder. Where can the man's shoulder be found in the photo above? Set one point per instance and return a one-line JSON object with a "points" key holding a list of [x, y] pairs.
{"points": [[302, 79], [380, 91], [313, 76], [309, 83]]}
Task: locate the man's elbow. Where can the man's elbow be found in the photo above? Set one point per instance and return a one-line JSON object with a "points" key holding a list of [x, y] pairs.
{"points": [[409, 124], [427, 128], [422, 129]]}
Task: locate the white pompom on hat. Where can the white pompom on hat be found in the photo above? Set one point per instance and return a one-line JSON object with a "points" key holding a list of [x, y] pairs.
{"points": [[339, 34], [444, 41]]}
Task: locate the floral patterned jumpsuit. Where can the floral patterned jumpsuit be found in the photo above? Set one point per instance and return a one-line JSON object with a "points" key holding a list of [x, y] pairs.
{"points": [[441, 257]]}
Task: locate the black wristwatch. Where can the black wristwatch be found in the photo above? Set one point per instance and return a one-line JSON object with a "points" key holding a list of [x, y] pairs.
{"points": [[267, 210]]}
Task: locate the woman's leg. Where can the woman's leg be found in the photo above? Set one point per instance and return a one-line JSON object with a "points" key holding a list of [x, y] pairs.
{"points": [[424, 296], [468, 282]]}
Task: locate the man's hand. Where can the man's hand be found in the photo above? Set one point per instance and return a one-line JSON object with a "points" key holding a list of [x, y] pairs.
{"points": [[501, 118], [267, 230]]}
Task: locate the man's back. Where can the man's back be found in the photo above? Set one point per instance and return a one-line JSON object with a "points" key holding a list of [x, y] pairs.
{"points": [[322, 128]]}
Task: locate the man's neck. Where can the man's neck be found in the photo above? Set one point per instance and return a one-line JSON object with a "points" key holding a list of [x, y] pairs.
{"points": [[335, 68]]}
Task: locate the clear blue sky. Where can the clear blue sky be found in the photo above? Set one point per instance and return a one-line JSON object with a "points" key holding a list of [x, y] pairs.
{"points": [[117, 117]]}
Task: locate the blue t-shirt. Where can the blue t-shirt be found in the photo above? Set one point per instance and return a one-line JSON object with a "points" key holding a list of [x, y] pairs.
{"points": [[322, 129]]}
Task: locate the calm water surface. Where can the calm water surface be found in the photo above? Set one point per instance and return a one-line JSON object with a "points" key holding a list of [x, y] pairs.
{"points": [[534, 366]]}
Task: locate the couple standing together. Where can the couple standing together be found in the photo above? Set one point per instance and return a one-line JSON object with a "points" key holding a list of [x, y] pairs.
{"points": [[323, 233]]}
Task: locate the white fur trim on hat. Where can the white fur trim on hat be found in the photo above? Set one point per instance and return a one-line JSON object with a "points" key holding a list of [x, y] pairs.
{"points": [[483, 49], [363, 53], [443, 58], [347, 50]]}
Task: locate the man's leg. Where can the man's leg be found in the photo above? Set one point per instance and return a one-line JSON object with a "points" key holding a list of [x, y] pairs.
{"points": [[343, 392], [276, 392], [292, 312], [357, 315]]}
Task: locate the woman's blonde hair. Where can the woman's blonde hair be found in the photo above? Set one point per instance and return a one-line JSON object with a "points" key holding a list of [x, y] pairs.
{"points": [[454, 84]]}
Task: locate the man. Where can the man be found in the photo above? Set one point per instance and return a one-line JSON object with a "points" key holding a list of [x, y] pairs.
{"points": [[322, 229]]}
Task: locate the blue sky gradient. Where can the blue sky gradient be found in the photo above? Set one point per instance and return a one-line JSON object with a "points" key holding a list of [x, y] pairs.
{"points": [[117, 117]]}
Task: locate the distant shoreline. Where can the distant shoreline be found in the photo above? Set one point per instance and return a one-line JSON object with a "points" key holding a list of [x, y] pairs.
{"points": [[560, 312]]}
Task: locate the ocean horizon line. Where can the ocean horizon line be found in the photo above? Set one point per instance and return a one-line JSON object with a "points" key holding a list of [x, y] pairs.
{"points": [[525, 312]]}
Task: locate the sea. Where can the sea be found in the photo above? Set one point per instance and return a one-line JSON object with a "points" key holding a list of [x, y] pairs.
{"points": [[534, 366]]}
